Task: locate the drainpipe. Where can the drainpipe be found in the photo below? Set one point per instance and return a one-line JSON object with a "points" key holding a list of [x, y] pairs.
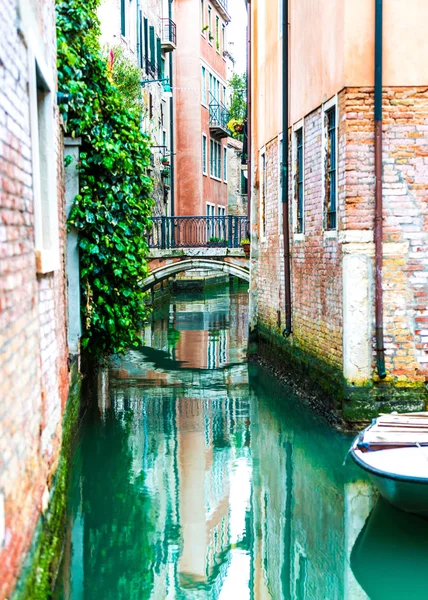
{"points": [[249, 128], [378, 224], [171, 119], [285, 152]]}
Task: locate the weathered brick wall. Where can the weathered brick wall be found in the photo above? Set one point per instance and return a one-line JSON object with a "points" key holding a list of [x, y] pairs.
{"points": [[317, 256], [33, 350], [405, 185], [315, 263]]}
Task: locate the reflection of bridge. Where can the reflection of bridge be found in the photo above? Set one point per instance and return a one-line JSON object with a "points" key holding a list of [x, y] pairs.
{"points": [[180, 244]]}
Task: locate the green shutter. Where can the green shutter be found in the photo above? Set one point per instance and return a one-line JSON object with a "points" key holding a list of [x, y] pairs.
{"points": [[159, 57], [152, 47], [122, 18], [146, 43]]}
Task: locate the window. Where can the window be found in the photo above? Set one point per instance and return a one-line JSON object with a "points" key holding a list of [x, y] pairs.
{"points": [[299, 187], [122, 18], [210, 29], [244, 183], [44, 171], [203, 17], [211, 222], [225, 164], [221, 212], [330, 199], [204, 85], [217, 33], [146, 43], [140, 41], [204, 154], [160, 60], [263, 195], [223, 38], [215, 159], [152, 49]]}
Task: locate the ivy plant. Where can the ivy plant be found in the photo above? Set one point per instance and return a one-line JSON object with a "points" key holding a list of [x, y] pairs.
{"points": [[112, 211]]}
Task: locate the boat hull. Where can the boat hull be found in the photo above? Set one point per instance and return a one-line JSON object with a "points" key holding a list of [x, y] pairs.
{"points": [[406, 493]]}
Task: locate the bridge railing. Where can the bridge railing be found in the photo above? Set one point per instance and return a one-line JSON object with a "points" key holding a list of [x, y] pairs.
{"points": [[198, 232]]}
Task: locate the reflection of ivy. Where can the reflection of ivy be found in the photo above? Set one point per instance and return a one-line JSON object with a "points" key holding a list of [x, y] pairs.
{"points": [[113, 208], [119, 554], [173, 337]]}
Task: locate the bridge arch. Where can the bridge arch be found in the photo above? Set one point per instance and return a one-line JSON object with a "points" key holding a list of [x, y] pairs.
{"points": [[168, 270]]}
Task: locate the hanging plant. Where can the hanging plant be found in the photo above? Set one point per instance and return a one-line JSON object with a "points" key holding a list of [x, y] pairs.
{"points": [[112, 211]]}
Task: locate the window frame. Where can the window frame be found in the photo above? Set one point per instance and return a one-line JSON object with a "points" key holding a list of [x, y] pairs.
{"points": [[210, 29], [203, 18], [328, 108], [298, 187], [215, 159], [225, 164], [44, 165], [263, 187], [204, 86], [217, 34], [205, 159]]}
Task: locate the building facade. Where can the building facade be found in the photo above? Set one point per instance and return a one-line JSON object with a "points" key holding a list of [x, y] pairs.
{"points": [[200, 102], [332, 201], [146, 33], [237, 179], [34, 361]]}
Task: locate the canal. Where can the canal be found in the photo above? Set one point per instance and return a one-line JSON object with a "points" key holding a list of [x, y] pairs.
{"points": [[198, 476]]}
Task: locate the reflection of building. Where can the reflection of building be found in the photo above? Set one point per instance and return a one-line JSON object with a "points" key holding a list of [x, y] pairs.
{"points": [[308, 508]]}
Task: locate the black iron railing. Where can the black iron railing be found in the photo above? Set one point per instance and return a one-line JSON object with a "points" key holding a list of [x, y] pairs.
{"points": [[150, 66], [169, 32], [198, 232], [219, 115]]}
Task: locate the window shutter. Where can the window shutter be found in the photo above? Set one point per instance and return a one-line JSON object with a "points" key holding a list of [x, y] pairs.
{"points": [[159, 58], [152, 48], [146, 43]]}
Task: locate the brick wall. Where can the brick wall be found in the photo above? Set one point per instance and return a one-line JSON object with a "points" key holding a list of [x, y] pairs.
{"points": [[317, 256], [33, 350]]}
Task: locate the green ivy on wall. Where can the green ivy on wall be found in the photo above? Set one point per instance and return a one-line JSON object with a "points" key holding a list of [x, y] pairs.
{"points": [[112, 211]]}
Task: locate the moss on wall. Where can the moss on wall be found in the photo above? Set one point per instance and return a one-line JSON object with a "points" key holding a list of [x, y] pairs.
{"points": [[42, 563], [329, 390]]}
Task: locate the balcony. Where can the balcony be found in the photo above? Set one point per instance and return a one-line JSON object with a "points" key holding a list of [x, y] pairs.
{"points": [[219, 118], [221, 6], [169, 35]]}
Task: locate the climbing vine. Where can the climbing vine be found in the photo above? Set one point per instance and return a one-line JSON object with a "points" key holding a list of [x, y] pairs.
{"points": [[113, 208]]}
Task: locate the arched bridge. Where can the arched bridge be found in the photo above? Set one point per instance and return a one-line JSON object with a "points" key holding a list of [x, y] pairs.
{"points": [[180, 244]]}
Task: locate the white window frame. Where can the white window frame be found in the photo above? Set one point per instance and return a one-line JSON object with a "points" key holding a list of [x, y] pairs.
{"points": [[280, 203], [204, 91], [202, 2], [214, 164], [44, 164], [296, 127], [262, 205], [225, 164], [210, 20], [333, 102], [205, 165]]}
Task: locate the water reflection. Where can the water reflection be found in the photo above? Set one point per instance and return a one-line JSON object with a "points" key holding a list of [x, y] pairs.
{"points": [[196, 477]]}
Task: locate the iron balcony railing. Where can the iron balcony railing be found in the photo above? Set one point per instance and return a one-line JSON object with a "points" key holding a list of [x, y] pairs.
{"points": [[169, 32], [198, 232], [221, 5], [151, 67], [219, 115]]}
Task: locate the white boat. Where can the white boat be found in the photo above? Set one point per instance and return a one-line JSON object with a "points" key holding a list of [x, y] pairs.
{"points": [[393, 450]]}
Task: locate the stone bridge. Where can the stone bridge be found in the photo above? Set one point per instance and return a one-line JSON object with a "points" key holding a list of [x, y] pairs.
{"points": [[180, 244], [165, 263]]}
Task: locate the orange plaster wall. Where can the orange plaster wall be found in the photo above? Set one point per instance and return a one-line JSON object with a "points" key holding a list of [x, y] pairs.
{"points": [[331, 47]]}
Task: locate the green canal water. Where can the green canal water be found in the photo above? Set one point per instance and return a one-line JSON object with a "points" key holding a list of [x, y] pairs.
{"points": [[196, 476]]}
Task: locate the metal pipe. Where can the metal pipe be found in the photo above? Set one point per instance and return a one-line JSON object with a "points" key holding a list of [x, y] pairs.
{"points": [[284, 166], [249, 128], [171, 119], [378, 224]]}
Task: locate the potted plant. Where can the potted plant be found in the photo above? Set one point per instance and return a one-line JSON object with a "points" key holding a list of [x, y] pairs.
{"points": [[211, 37], [245, 243], [205, 28], [165, 160], [165, 172], [213, 241], [236, 125]]}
